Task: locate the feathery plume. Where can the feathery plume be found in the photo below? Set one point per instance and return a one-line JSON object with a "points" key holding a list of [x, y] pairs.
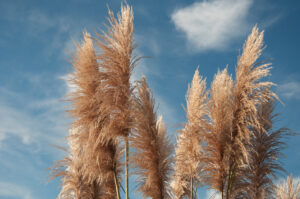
{"points": [[116, 64], [85, 77], [249, 91], [264, 151], [95, 162], [288, 189], [152, 150], [189, 150], [74, 186], [218, 137]]}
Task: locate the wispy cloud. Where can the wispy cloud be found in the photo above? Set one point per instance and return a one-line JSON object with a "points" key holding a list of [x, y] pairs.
{"points": [[15, 191], [212, 25], [38, 124], [290, 90]]}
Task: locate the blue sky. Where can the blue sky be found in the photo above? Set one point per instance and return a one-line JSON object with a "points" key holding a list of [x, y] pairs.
{"points": [[178, 35]]}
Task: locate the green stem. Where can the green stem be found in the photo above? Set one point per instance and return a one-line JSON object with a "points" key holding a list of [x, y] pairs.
{"points": [[196, 193]]}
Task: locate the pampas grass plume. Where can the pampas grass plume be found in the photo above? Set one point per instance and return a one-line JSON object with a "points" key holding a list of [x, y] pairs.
{"points": [[152, 150]]}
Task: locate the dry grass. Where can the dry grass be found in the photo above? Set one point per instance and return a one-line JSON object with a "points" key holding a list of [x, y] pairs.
{"points": [[264, 154], [152, 149], [90, 165], [73, 184], [227, 143], [233, 113], [116, 63], [249, 89], [189, 149], [218, 137], [288, 189]]}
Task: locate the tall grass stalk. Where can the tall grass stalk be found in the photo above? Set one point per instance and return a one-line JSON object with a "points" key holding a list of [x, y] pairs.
{"points": [[117, 63], [188, 153], [151, 147]]}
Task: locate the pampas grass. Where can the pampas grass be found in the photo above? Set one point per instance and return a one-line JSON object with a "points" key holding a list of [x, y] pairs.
{"points": [[189, 149], [90, 165], [69, 169], [116, 63], [152, 150], [264, 153], [232, 114], [249, 91], [289, 189], [218, 137], [227, 143]]}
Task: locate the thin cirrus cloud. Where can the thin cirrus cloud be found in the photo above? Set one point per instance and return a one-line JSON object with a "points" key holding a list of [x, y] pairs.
{"points": [[212, 25], [15, 191], [36, 124], [290, 90]]}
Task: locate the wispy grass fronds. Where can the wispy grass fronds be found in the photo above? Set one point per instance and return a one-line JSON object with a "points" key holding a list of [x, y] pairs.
{"points": [[74, 186], [99, 161], [288, 189], [218, 144], [250, 90], [85, 77], [152, 149], [265, 149], [189, 148], [116, 63]]}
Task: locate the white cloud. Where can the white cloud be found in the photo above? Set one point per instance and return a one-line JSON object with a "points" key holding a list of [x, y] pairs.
{"points": [[212, 25], [15, 191], [212, 194], [38, 124], [290, 90]]}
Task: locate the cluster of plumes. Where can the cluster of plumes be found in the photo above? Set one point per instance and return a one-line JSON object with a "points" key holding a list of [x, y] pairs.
{"points": [[219, 132], [101, 103], [151, 157], [233, 113], [105, 110], [290, 189], [91, 165], [189, 144], [231, 147], [228, 142]]}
